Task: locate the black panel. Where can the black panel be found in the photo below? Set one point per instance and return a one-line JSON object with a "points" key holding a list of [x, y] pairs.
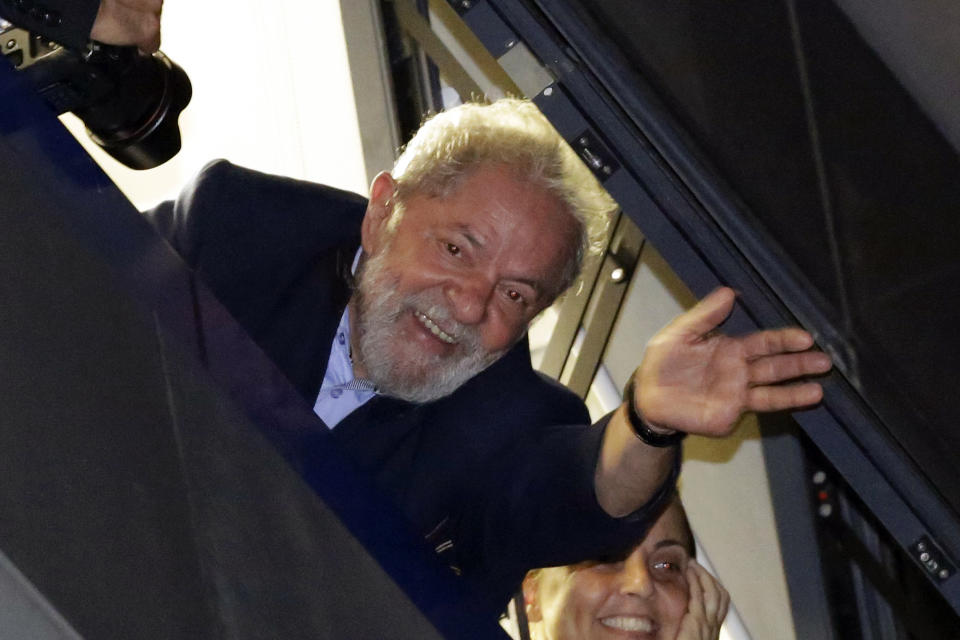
{"points": [[894, 185], [876, 591], [836, 164], [93, 501], [728, 72], [140, 493], [739, 169]]}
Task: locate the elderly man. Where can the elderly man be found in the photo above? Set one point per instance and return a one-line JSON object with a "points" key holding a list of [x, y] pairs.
{"points": [[402, 320], [654, 590]]}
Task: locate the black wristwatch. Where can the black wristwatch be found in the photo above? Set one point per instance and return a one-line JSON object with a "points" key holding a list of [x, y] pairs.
{"points": [[640, 428]]}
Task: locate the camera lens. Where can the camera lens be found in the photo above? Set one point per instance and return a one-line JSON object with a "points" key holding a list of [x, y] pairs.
{"points": [[136, 123]]}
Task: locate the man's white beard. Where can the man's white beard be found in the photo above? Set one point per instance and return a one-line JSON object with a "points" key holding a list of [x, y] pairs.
{"points": [[395, 365]]}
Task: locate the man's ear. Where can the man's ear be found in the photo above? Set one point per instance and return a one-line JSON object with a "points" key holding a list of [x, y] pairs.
{"points": [[530, 598], [379, 210]]}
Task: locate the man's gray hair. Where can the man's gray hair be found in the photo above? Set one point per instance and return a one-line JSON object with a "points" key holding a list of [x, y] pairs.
{"points": [[510, 132]]}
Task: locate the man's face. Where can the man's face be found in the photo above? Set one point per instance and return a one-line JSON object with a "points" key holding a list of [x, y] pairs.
{"points": [[641, 597], [452, 286]]}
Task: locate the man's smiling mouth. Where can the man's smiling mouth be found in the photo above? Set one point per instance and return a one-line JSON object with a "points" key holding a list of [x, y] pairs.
{"points": [[434, 328]]}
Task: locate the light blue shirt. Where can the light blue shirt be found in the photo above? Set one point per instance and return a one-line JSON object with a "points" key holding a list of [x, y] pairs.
{"points": [[341, 393]]}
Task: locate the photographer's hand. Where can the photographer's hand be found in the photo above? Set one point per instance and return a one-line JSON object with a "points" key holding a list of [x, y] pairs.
{"points": [[129, 22]]}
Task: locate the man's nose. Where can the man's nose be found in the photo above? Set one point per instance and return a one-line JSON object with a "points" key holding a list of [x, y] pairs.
{"points": [[469, 298], [635, 578]]}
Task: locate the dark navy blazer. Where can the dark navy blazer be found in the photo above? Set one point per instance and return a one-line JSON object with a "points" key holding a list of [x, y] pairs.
{"points": [[497, 476]]}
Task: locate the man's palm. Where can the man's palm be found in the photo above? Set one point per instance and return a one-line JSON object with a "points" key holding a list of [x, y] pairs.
{"points": [[698, 381]]}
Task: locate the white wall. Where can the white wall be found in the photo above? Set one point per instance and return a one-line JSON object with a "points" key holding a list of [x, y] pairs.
{"points": [[271, 91]]}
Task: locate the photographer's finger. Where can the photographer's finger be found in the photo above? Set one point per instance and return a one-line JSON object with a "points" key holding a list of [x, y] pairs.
{"points": [[152, 6], [119, 24], [151, 44]]}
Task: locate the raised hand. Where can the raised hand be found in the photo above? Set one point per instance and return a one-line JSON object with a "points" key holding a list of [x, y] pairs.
{"points": [[707, 606], [129, 22], [697, 380]]}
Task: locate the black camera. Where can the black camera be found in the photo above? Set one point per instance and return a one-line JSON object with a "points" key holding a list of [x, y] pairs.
{"points": [[129, 101]]}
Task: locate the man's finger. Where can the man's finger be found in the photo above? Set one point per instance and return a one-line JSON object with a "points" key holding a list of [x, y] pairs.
{"points": [[150, 44], [774, 341], [707, 314], [134, 23], [153, 6], [778, 398], [777, 368]]}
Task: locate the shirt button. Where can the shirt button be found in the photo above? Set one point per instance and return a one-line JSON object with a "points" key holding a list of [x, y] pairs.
{"points": [[336, 393], [341, 339]]}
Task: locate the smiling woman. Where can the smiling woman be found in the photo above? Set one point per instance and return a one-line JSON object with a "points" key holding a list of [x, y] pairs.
{"points": [[655, 591]]}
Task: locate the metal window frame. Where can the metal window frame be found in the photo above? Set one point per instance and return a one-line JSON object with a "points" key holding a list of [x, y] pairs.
{"points": [[690, 217]]}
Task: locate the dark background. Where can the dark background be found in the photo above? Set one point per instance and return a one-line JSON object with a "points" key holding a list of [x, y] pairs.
{"points": [[855, 188]]}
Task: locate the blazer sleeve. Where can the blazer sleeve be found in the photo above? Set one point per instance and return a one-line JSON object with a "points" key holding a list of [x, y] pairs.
{"points": [[547, 513], [233, 223], [67, 22], [538, 506]]}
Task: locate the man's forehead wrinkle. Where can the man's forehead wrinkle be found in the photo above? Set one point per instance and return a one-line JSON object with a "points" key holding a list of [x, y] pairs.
{"points": [[473, 237], [501, 219], [515, 218], [536, 285]]}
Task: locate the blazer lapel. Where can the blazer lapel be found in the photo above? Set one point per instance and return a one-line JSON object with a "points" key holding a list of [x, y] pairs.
{"points": [[301, 326]]}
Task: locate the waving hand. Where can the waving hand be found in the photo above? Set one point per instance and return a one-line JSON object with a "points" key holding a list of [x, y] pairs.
{"points": [[697, 380]]}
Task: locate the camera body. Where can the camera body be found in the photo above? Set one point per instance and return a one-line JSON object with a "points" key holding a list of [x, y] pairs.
{"points": [[128, 100]]}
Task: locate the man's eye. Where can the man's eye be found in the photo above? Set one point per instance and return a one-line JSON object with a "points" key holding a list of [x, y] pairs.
{"points": [[452, 249], [514, 295]]}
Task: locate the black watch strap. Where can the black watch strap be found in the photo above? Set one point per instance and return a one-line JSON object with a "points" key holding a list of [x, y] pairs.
{"points": [[640, 428]]}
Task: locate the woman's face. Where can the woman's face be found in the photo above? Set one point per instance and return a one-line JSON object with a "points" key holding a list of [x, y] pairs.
{"points": [[640, 597]]}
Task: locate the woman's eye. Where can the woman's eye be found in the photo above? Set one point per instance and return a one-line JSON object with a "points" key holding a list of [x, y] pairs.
{"points": [[453, 249], [667, 566]]}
